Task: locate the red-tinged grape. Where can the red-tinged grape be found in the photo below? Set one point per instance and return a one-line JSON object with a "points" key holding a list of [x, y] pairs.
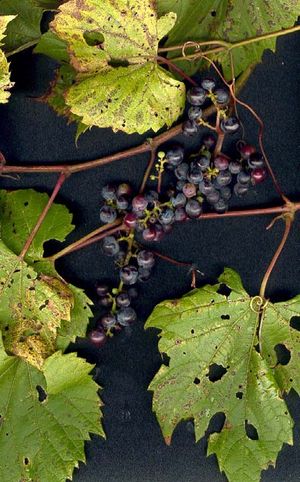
{"points": [[209, 141], [189, 190], [180, 215], [97, 337], [149, 234], [246, 150], [139, 203], [130, 220], [221, 162], [258, 175]]}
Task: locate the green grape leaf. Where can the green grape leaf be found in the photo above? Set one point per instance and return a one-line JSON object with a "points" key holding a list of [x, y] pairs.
{"points": [[20, 211], [5, 82], [229, 21], [32, 307], [24, 31], [51, 45], [222, 353], [113, 49], [46, 416], [48, 4]]}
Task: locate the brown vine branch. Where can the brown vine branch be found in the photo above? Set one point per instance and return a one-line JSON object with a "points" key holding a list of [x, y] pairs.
{"points": [[42, 216], [148, 170]]}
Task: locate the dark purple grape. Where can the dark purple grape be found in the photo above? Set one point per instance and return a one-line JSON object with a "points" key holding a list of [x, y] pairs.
{"points": [[241, 189], [108, 192], [122, 203], [181, 171], [110, 246], [105, 301], [189, 190], [245, 150], [213, 197], [123, 300], [175, 155], [129, 274], [171, 192], [235, 167], [208, 84], [167, 228], [203, 162], [222, 96], [97, 337], [102, 289], [130, 220], [144, 274], [230, 125], [190, 128], [224, 178], [151, 196], [179, 200], [243, 177], [124, 189], [193, 208], [145, 259], [149, 234], [220, 206], [258, 175], [139, 203], [256, 160], [209, 141], [180, 215], [195, 113], [221, 162], [196, 96], [159, 232], [108, 214], [226, 193], [108, 321], [126, 316], [206, 187], [195, 175], [166, 216]]}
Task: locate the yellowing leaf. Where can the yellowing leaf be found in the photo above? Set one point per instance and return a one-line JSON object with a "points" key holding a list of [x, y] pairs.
{"points": [[118, 81], [223, 358], [45, 417], [5, 82]]}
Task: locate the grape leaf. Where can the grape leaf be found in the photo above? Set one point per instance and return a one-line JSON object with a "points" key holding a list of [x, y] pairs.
{"points": [[124, 62], [48, 4], [5, 82], [24, 31], [222, 358], [45, 417], [229, 21], [19, 213], [32, 307]]}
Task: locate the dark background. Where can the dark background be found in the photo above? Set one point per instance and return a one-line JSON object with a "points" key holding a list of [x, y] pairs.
{"points": [[31, 133]]}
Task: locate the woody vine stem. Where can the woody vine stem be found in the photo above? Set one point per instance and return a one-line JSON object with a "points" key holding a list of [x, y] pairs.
{"points": [[286, 210]]}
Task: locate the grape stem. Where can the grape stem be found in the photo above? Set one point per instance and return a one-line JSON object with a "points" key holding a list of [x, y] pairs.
{"points": [[148, 170], [288, 224]]}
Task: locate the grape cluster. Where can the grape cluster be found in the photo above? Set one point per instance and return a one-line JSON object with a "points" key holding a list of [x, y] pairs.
{"points": [[203, 181]]}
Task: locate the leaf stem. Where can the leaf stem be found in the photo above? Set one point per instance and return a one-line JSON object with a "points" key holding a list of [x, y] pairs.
{"points": [[43, 214], [288, 225]]}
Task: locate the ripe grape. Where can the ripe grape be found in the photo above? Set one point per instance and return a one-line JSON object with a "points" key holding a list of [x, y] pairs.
{"points": [[126, 316], [209, 141], [195, 175], [243, 177], [122, 203], [196, 96], [206, 187], [241, 189], [213, 197], [224, 178], [129, 274], [230, 125], [166, 216], [181, 171], [108, 192], [123, 299], [139, 203], [108, 214], [110, 246], [106, 301], [256, 160], [235, 167], [203, 162], [221, 206], [124, 189], [195, 113], [193, 208], [208, 84], [225, 193], [258, 175], [97, 337], [221, 162], [102, 289], [190, 128], [189, 190], [175, 155], [108, 321], [149, 234], [144, 274], [222, 96], [179, 200], [145, 259]]}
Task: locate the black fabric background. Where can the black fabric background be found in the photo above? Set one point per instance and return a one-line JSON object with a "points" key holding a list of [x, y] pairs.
{"points": [[31, 133]]}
